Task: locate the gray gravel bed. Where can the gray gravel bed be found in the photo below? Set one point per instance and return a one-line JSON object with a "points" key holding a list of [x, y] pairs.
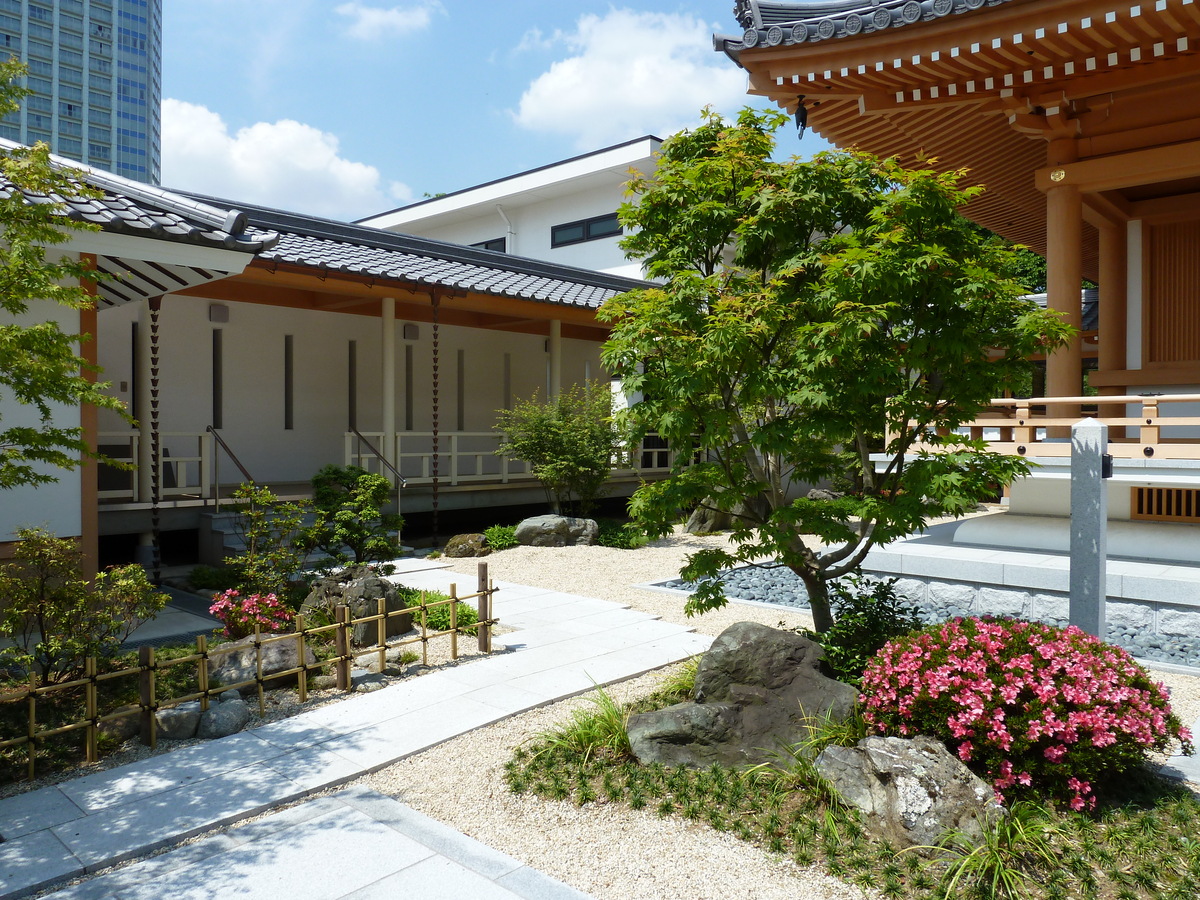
{"points": [[780, 586]]}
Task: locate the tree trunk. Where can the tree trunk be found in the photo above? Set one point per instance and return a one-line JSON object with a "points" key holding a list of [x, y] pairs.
{"points": [[818, 598]]}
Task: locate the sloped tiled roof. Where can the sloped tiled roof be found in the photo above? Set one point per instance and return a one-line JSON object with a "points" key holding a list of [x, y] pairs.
{"points": [[131, 207], [331, 246], [773, 22]]}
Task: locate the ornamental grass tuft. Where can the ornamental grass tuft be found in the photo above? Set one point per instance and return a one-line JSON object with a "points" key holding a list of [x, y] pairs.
{"points": [[1038, 710]]}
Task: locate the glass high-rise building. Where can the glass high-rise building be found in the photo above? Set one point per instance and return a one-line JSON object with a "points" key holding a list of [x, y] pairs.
{"points": [[95, 73]]}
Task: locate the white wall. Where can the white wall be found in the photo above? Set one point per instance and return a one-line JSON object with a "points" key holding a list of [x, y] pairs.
{"points": [[532, 222], [56, 506], [253, 348]]}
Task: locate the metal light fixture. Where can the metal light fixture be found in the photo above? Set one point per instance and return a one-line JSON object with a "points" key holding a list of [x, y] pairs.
{"points": [[801, 117]]}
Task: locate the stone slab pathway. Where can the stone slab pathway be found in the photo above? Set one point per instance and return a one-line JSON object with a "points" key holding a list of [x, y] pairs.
{"points": [[564, 645]]}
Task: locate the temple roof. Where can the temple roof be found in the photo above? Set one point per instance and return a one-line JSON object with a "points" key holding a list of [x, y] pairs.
{"points": [[771, 23]]}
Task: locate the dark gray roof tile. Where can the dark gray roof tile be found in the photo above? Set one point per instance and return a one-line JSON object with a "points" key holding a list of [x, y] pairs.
{"points": [[134, 208]]}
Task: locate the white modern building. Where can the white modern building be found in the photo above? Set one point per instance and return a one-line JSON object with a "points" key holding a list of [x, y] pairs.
{"points": [[95, 80], [565, 212]]}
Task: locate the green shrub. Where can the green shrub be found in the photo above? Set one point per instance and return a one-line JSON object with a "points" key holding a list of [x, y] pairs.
{"points": [[216, 578], [501, 537], [55, 619], [270, 530], [569, 442], [1034, 708], [621, 535], [868, 613], [437, 618], [349, 502]]}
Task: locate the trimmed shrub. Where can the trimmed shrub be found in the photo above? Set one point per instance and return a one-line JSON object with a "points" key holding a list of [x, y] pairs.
{"points": [[1034, 708], [501, 537]]}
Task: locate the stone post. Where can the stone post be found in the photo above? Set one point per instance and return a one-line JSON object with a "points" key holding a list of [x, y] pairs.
{"points": [[1089, 525]]}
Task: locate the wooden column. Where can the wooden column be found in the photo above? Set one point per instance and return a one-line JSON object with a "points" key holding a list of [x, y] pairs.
{"points": [[89, 512], [1064, 275], [1114, 324], [145, 439], [388, 376], [555, 386]]}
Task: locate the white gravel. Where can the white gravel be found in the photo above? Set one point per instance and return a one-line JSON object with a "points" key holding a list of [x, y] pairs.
{"points": [[610, 851]]}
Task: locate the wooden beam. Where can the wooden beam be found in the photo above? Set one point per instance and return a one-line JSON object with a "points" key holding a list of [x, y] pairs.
{"points": [[1124, 170]]}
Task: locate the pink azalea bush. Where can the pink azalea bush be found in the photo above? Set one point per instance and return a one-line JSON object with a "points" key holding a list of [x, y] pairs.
{"points": [[240, 614], [1029, 706]]}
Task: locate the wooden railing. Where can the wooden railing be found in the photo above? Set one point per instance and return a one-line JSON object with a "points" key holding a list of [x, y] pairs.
{"points": [[149, 666], [1141, 426], [466, 457], [184, 466]]}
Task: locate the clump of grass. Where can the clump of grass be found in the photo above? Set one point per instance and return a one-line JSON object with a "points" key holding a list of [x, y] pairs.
{"points": [[590, 731]]}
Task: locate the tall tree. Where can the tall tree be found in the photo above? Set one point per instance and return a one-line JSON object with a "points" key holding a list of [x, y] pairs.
{"points": [[40, 365], [816, 320]]}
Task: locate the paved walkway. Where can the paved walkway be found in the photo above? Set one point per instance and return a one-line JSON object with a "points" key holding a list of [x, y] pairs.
{"points": [[564, 646]]}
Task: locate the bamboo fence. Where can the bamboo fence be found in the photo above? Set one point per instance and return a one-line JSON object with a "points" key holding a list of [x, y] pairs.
{"points": [[148, 667]]}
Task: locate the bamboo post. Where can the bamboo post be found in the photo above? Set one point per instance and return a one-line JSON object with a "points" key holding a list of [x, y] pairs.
{"points": [[341, 642], [93, 728], [302, 677], [454, 621], [381, 633], [202, 669], [424, 629], [149, 727], [483, 588], [258, 670], [32, 732]]}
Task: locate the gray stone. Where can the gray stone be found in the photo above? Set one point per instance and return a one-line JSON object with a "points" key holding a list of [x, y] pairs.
{"points": [[463, 545], [1132, 615], [557, 531], [1000, 602], [365, 681], [360, 588], [758, 690], [223, 719], [824, 494], [1089, 526], [178, 723], [125, 726], [914, 590], [1049, 608], [1179, 622], [321, 682], [911, 791], [231, 696], [235, 662], [943, 593]]}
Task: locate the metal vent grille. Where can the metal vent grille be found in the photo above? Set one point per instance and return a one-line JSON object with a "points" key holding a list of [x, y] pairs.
{"points": [[1166, 504]]}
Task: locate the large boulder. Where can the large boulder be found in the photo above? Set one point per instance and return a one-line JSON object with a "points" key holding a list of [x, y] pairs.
{"points": [[758, 690], [557, 531], [225, 718], [463, 545], [236, 662], [359, 588], [912, 791]]}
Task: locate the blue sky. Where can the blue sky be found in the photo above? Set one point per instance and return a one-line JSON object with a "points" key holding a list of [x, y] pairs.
{"points": [[345, 109]]}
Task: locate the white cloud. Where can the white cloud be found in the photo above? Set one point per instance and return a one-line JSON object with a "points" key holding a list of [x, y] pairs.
{"points": [[630, 73], [284, 164], [370, 23]]}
